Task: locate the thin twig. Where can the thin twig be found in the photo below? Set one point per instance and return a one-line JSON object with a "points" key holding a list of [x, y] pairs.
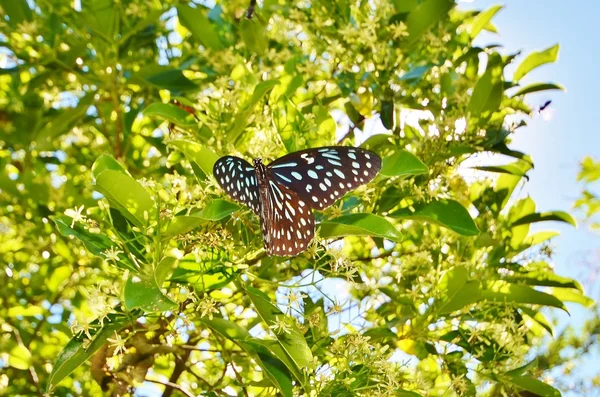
{"points": [[171, 386], [250, 11]]}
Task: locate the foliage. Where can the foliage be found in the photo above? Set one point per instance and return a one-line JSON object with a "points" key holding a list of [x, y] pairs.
{"points": [[125, 267]]}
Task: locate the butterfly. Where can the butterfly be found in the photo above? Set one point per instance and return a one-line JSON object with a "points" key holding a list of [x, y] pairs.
{"points": [[284, 192]]}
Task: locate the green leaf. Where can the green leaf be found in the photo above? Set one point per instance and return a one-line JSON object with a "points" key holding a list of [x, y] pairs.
{"points": [[590, 170], [106, 162], [163, 77], [172, 113], [533, 385], [19, 357], [402, 163], [559, 216], [253, 33], [456, 291], [260, 350], [425, 15], [17, 10], [489, 89], [196, 21], [447, 213], [537, 87], [58, 277], [196, 153], [101, 16], [28, 311], [215, 210], [504, 292], [540, 274], [536, 59], [269, 349], [141, 292], [292, 341], [76, 353], [96, 243], [126, 194], [510, 169], [540, 237], [572, 295], [539, 318], [483, 19], [506, 184], [362, 224]]}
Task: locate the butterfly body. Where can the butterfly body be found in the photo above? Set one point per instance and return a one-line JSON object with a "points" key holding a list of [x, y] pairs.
{"points": [[284, 192]]}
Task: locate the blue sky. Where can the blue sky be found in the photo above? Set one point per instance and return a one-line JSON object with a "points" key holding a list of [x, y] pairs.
{"points": [[559, 144]]}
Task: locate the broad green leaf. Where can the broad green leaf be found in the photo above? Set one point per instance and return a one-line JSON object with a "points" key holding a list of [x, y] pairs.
{"points": [[141, 292], [102, 17], [483, 19], [106, 162], [275, 349], [506, 184], [182, 224], [362, 224], [58, 276], [172, 113], [520, 209], [241, 120], [77, 351], [96, 243], [17, 10], [425, 15], [163, 77], [457, 291], [542, 276], [489, 89], [533, 385], [254, 34], [215, 210], [559, 216], [128, 195], [204, 277], [539, 318], [274, 368], [402, 163], [537, 87], [19, 357], [415, 74], [164, 269], [291, 341], [204, 158], [387, 114], [590, 170], [540, 237], [25, 311], [196, 21], [572, 295], [536, 59], [447, 213], [504, 292]]}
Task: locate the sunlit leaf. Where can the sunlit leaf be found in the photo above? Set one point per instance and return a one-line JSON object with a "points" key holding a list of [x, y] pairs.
{"points": [[536, 59], [359, 225]]}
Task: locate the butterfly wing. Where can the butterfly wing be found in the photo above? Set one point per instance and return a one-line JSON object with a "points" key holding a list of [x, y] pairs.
{"points": [[321, 176], [237, 177], [288, 224]]}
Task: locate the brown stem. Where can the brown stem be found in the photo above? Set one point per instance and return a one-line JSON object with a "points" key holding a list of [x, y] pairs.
{"points": [[177, 371], [170, 386], [250, 12]]}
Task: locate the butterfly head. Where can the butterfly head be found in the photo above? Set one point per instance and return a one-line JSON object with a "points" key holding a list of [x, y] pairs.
{"points": [[260, 169]]}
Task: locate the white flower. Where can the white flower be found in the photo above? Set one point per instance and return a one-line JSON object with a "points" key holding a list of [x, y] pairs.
{"points": [[76, 215], [112, 254]]}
